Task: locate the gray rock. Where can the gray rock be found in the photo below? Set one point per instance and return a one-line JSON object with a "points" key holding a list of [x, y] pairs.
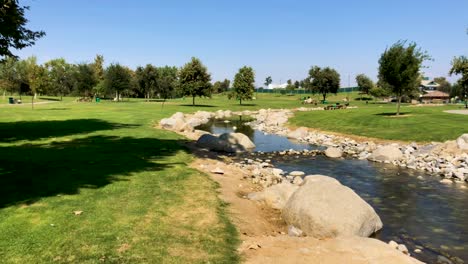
{"points": [[298, 133], [387, 153], [275, 196], [462, 142], [296, 173], [332, 152], [293, 231], [238, 141], [324, 208]]}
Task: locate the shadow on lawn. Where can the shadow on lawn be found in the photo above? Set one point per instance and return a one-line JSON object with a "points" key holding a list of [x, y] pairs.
{"points": [[29, 172], [197, 105], [392, 114], [33, 130]]}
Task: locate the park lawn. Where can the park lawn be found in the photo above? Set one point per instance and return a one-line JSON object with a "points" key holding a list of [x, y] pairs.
{"points": [[420, 124], [141, 202]]}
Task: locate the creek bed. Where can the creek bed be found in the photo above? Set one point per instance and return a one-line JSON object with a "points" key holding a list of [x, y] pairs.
{"points": [[416, 209]]}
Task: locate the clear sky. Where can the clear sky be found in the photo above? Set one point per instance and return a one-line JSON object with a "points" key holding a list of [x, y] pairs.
{"points": [[278, 38]]}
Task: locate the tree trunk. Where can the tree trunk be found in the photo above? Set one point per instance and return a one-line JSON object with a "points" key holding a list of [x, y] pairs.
{"points": [[32, 102], [193, 100], [240, 101], [398, 105], [117, 96], [324, 96]]}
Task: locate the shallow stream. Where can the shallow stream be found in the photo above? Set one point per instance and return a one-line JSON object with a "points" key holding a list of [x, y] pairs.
{"points": [[416, 209]]}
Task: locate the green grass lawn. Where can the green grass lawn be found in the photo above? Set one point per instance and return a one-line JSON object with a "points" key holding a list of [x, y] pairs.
{"points": [[421, 124], [141, 201]]}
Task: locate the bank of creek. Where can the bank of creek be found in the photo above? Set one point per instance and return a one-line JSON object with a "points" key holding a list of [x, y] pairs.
{"points": [[415, 207]]}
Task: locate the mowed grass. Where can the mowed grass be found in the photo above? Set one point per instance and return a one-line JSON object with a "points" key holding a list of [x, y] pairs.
{"points": [[141, 202], [420, 124]]}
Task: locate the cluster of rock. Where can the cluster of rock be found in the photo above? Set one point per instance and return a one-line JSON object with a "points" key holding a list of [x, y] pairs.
{"points": [[449, 159]]}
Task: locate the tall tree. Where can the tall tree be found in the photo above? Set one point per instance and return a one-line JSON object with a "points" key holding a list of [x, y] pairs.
{"points": [[146, 78], [297, 84], [9, 79], [84, 79], [117, 78], [244, 84], [268, 81], [194, 80], [324, 81], [13, 33], [399, 68], [37, 78], [444, 85], [61, 76], [364, 83], [460, 67], [166, 81]]}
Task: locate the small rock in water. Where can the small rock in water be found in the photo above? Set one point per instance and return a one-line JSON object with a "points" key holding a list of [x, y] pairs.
{"points": [[417, 250], [217, 171], [443, 260], [402, 248], [393, 244], [297, 173], [446, 181]]}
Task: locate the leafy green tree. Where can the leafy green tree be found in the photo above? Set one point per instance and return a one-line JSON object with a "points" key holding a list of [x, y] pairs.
{"points": [[61, 76], [444, 85], [244, 84], [290, 86], [399, 68], [297, 84], [364, 83], [219, 87], [324, 81], [194, 80], [460, 67], [379, 92], [166, 81], [98, 67], [13, 33], [9, 79], [268, 81], [84, 79], [146, 79], [117, 78]]}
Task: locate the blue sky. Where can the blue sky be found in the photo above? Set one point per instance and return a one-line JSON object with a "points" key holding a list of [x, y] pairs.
{"points": [[282, 39]]}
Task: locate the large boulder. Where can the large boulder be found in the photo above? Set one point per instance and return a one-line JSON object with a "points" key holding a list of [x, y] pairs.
{"points": [[227, 142], [175, 124], [324, 208], [332, 152], [238, 141], [462, 142], [299, 133], [275, 196], [386, 153], [212, 142]]}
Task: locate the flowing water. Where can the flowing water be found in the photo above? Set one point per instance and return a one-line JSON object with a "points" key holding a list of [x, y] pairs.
{"points": [[416, 208]]}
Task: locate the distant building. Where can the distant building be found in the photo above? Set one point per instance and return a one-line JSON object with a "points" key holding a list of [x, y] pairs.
{"points": [[428, 85], [277, 86], [432, 97]]}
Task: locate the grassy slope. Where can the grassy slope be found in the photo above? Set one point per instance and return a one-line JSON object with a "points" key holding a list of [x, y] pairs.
{"points": [[141, 201], [422, 124]]}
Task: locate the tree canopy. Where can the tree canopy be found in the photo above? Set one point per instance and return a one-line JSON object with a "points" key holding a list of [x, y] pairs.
{"points": [[324, 81], [460, 67], [399, 69], [244, 84], [268, 81], [117, 78], [194, 80], [13, 31], [364, 83]]}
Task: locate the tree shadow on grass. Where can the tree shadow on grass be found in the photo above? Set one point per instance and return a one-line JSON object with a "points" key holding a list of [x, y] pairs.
{"points": [[197, 105], [50, 99], [248, 105], [31, 171], [392, 114], [33, 130]]}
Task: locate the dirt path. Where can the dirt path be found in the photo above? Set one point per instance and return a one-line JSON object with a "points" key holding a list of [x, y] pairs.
{"points": [[461, 112]]}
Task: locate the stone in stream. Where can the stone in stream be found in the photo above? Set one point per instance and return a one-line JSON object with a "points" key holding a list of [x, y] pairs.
{"points": [[332, 152], [296, 173], [386, 153], [323, 208]]}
